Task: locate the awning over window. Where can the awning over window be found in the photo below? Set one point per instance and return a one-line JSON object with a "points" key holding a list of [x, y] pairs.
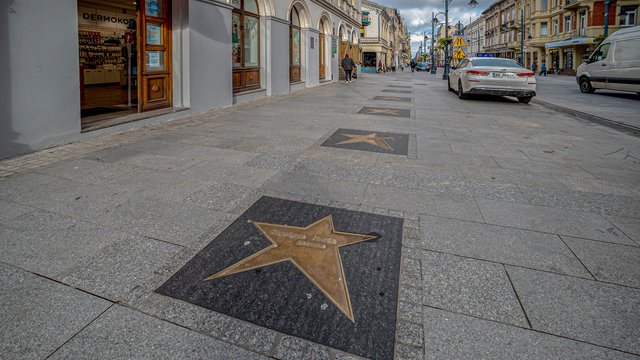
{"points": [[570, 42]]}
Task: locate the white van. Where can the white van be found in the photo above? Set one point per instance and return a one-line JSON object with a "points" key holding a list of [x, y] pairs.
{"points": [[614, 65]]}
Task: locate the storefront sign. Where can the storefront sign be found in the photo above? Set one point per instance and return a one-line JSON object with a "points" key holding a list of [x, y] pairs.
{"points": [[154, 32], [153, 8], [90, 18]]}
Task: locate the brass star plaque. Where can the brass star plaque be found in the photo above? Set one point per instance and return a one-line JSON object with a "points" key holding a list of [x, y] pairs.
{"points": [[313, 250], [324, 274], [373, 139]]}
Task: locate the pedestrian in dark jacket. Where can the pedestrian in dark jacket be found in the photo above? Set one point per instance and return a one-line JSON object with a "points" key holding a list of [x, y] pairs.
{"points": [[413, 65], [347, 64]]}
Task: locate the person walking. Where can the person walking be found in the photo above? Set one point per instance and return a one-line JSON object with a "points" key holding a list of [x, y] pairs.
{"points": [[534, 67], [413, 65], [543, 69], [347, 64]]}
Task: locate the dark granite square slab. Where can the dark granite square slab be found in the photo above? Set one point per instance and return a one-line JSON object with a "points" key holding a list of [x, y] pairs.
{"points": [[280, 297], [397, 91], [392, 98], [398, 143], [400, 86], [385, 111]]}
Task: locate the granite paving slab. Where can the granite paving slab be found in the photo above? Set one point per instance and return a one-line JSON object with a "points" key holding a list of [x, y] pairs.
{"points": [[49, 243], [280, 297], [317, 186], [39, 315], [455, 336], [500, 244], [173, 222], [422, 202], [116, 269], [367, 140], [619, 264], [471, 287], [122, 333], [11, 210], [368, 110], [580, 309], [392, 98], [629, 226], [559, 221], [400, 86]]}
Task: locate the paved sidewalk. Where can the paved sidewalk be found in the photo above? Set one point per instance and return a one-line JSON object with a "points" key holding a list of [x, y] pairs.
{"points": [[520, 228]]}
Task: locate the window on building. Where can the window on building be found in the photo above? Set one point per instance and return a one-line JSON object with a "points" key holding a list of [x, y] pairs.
{"points": [[629, 15], [294, 46], [555, 27], [554, 3], [582, 24], [543, 29], [245, 37], [567, 24], [513, 13], [543, 4]]}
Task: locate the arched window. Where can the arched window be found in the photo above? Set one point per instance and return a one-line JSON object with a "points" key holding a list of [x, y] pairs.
{"points": [[245, 39], [294, 47], [322, 51]]}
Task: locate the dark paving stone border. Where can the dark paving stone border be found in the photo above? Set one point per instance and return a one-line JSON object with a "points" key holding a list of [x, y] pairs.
{"points": [[397, 91], [400, 86], [371, 110], [392, 98], [282, 298], [398, 142]]}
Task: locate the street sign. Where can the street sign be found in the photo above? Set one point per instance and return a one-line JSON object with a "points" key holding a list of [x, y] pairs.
{"points": [[459, 54], [459, 42]]}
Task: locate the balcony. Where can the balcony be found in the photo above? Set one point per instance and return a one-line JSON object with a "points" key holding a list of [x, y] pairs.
{"points": [[575, 4]]}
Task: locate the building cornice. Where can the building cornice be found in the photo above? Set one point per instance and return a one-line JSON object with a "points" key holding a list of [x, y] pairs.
{"points": [[338, 12]]}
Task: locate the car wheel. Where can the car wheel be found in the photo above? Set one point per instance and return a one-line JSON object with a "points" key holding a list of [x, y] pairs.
{"points": [[524, 99], [461, 93], [585, 86]]}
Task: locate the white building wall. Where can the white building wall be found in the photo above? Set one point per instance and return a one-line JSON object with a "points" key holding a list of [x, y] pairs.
{"points": [[40, 74]]}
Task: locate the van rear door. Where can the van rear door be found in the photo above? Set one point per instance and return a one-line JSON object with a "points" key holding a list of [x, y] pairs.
{"points": [[624, 66]]}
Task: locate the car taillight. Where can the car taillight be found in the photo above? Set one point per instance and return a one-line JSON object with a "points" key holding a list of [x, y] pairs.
{"points": [[526, 74], [476, 72]]}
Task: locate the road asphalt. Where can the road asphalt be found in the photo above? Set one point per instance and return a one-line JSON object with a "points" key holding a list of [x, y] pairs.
{"points": [[520, 230]]}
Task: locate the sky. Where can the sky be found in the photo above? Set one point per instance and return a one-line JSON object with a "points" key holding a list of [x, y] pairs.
{"points": [[417, 15]]}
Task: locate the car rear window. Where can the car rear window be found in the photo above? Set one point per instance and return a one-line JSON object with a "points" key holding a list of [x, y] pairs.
{"points": [[495, 62]]}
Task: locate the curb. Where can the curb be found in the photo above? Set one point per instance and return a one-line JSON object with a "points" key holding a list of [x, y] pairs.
{"points": [[626, 128]]}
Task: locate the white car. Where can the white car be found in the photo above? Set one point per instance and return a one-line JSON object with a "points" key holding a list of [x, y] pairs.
{"points": [[493, 76]]}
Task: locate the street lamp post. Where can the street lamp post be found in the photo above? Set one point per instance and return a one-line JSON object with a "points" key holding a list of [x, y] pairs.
{"points": [[434, 22], [472, 3], [606, 18], [522, 36]]}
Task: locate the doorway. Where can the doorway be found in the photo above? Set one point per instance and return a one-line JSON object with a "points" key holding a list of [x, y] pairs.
{"points": [[114, 37]]}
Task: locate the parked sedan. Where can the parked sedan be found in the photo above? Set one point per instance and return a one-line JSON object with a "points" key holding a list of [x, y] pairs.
{"points": [[493, 76], [421, 66]]}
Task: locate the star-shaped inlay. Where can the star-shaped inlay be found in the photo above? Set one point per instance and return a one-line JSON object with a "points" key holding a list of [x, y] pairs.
{"points": [[388, 98], [383, 111], [314, 250], [373, 139]]}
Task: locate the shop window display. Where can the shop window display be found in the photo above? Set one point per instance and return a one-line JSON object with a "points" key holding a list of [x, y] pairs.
{"points": [[245, 42], [294, 47]]}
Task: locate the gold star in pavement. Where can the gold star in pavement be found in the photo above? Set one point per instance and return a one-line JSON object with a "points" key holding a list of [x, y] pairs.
{"points": [[373, 139], [314, 250], [383, 111], [388, 98]]}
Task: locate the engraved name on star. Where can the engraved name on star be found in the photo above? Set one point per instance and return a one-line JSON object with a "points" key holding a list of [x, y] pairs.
{"points": [[373, 139], [314, 250]]}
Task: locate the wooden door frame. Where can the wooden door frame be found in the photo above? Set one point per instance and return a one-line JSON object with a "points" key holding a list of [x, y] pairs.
{"points": [[143, 75], [322, 55]]}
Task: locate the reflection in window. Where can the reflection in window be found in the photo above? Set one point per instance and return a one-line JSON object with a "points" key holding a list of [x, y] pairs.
{"points": [[245, 42]]}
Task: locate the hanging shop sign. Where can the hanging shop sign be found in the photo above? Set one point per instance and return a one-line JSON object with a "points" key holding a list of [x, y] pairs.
{"points": [[366, 20]]}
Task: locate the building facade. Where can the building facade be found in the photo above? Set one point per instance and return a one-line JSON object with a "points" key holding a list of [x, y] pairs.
{"points": [[103, 63], [474, 34], [384, 40], [556, 32]]}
